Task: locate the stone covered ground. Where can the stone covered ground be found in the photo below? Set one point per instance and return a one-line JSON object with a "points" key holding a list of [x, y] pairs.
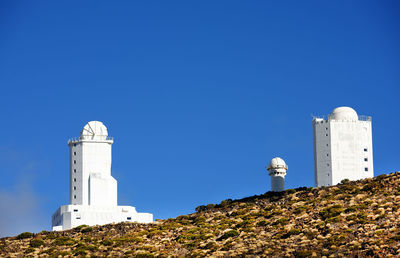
{"points": [[351, 219]]}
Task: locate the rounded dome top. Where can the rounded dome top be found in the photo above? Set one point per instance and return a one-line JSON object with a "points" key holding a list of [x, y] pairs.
{"points": [[277, 163], [344, 113], [94, 130]]}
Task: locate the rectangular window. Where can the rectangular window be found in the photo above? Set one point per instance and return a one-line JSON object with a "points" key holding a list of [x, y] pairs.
{"points": [[74, 161], [78, 217], [75, 153], [74, 187], [128, 218], [74, 179], [75, 210], [327, 155], [365, 159], [365, 149], [366, 169], [326, 134], [74, 170], [74, 196]]}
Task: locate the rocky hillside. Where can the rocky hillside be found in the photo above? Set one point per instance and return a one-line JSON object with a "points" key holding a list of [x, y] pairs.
{"points": [[351, 219]]}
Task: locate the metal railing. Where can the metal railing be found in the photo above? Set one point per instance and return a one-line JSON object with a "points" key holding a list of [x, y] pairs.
{"points": [[360, 117], [77, 139]]}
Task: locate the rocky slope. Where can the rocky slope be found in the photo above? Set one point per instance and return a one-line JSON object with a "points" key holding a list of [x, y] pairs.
{"points": [[351, 219]]}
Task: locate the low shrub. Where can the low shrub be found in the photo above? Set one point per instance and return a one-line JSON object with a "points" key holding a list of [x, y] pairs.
{"points": [[78, 228], [345, 181], [262, 223], [228, 234], [210, 206], [25, 235], [302, 254], [201, 208], [294, 231], [36, 242], [29, 250], [86, 229], [143, 255], [80, 251], [281, 221], [331, 211], [299, 210], [225, 203], [290, 191], [60, 241], [107, 242], [209, 245]]}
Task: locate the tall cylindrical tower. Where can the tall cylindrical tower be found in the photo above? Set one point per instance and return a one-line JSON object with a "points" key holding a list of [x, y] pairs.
{"points": [[277, 170]]}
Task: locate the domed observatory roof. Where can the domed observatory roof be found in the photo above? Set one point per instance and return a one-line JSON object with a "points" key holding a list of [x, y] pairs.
{"points": [[344, 114], [94, 130], [277, 163]]}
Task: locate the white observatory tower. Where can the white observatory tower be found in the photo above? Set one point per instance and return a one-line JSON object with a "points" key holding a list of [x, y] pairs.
{"points": [[93, 191], [342, 147], [277, 170]]}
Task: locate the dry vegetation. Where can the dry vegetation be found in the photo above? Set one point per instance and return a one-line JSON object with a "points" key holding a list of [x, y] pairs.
{"points": [[351, 219]]}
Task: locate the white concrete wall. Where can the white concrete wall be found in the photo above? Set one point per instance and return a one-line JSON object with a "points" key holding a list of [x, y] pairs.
{"points": [[339, 150], [77, 186], [349, 139], [86, 157], [102, 190], [74, 215], [322, 153]]}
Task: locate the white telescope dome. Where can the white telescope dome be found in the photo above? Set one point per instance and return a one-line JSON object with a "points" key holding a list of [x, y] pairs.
{"points": [[344, 113], [277, 163], [94, 130]]}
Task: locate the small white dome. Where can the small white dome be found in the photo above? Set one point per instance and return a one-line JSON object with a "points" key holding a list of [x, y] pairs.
{"points": [[94, 130], [277, 163], [344, 113]]}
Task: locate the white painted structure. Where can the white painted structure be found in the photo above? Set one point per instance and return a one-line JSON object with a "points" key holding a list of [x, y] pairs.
{"points": [[277, 170], [342, 147], [93, 191]]}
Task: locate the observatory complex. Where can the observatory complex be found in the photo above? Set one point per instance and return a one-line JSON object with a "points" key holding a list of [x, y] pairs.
{"points": [[93, 191], [277, 170], [342, 147]]}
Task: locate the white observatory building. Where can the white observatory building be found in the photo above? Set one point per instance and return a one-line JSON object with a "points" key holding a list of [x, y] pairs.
{"points": [[342, 147], [277, 170], [93, 191]]}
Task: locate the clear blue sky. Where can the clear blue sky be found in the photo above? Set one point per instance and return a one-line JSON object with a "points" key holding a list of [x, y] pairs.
{"points": [[198, 95]]}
